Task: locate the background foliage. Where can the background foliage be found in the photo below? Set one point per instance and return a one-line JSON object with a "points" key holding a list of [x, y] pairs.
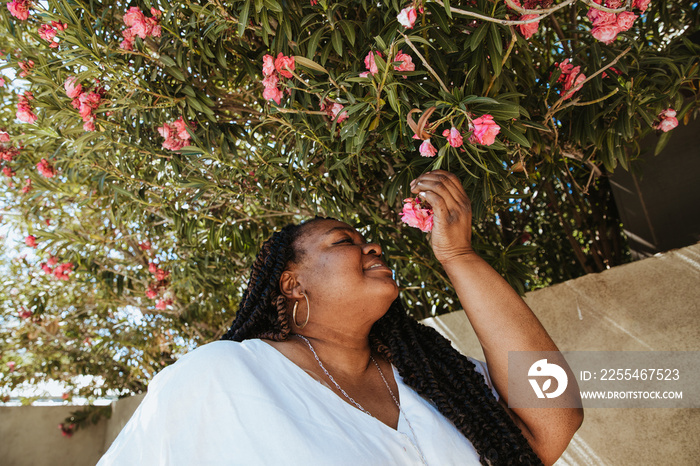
{"points": [[120, 201]]}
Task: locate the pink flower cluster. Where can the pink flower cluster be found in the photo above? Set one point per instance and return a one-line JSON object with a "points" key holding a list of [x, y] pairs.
{"points": [[667, 121], [67, 430], [607, 25], [138, 25], [571, 77], [281, 65], [417, 214], [333, 109], [427, 149], [161, 284], [528, 29], [61, 272], [46, 169], [175, 134], [30, 241], [24, 313], [484, 130], [19, 8], [85, 102], [26, 67], [27, 186], [407, 17], [454, 138], [49, 31], [406, 62], [24, 108]]}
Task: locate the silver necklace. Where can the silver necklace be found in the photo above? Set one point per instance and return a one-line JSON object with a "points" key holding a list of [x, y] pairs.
{"points": [[358, 405]]}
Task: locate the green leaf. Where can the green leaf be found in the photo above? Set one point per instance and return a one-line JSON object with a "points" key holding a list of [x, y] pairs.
{"points": [[337, 41], [306, 63]]}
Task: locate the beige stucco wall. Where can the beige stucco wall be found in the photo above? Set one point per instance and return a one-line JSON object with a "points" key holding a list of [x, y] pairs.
{"points": [[652, 304]]}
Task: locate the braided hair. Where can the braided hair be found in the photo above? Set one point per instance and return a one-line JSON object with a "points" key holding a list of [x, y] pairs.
{"points": [[425, 359]]}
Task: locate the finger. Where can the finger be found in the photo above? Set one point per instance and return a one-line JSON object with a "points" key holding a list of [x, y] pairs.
{"points": [[432, 179], [455, 184], [424, 184], [449, 179], [436, 201]]}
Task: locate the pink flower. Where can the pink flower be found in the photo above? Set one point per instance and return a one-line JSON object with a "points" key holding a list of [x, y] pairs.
{"points": [[407, 17], [417, 216], [625, 20], [426, 149], [163, 304], [668, 120], [175, 134], [454, 138], [8, 154], [145, 245], [268, 65], [273, 93], [605, 34], [26, 67], [161, 274], [572, 78], [52, 261], [284, 65], [73, 90], [2, 82], [484, 130], [139, 25], [151, 292], [332, 110], [364, 74], [271, 81], [27, 186], [11, 366], [602, 18], [24, 313], [47, 270], [336, 108], [641, 4], [152, 267], [7, 171], [30, 241], [89, 125], [65, 396], [4, 136], [62, 271], [370, 64], [47, 32], [46, 169], [528, 29], [19, 9], [406, 62]]}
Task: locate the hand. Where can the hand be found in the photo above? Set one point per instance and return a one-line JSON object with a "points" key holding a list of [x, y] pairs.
{"points": [[451, 236]]}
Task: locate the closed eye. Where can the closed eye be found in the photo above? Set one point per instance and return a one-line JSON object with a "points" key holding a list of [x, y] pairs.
{"points": [[349, 240]]}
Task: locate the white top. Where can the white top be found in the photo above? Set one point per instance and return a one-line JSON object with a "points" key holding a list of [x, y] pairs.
{"points": [[229, 403]]}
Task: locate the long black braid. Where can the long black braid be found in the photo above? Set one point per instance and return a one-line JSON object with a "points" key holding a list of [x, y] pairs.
{"points": [[425, 359]]}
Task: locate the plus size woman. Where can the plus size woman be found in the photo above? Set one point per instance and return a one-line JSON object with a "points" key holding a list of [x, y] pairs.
{"points": [[323, 365]]}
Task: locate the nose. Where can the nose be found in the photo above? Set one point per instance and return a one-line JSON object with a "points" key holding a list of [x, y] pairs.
{"points": [[372, 248]]}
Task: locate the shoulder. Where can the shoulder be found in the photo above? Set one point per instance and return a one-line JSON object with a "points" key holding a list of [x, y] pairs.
{"points": [[216, 360]]}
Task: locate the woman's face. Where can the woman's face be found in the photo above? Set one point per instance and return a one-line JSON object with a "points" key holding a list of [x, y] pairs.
{"points": [[335, 271]]}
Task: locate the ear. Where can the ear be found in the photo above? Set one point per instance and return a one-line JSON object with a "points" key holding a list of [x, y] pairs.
{"points": [[289, 286]]}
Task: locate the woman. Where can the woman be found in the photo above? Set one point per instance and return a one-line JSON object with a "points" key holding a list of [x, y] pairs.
{"points": [[321, 306]]}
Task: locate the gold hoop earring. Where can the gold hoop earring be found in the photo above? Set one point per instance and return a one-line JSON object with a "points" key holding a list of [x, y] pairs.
{"points": [[308, 313]]}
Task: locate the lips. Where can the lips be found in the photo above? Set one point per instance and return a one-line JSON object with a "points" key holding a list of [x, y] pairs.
{"points": [[377, 266]]}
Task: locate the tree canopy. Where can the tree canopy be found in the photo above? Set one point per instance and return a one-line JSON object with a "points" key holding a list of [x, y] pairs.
{"points": [[149, 148]]}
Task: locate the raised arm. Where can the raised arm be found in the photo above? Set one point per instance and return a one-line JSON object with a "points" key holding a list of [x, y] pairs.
{"points": [[501, 319]]}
